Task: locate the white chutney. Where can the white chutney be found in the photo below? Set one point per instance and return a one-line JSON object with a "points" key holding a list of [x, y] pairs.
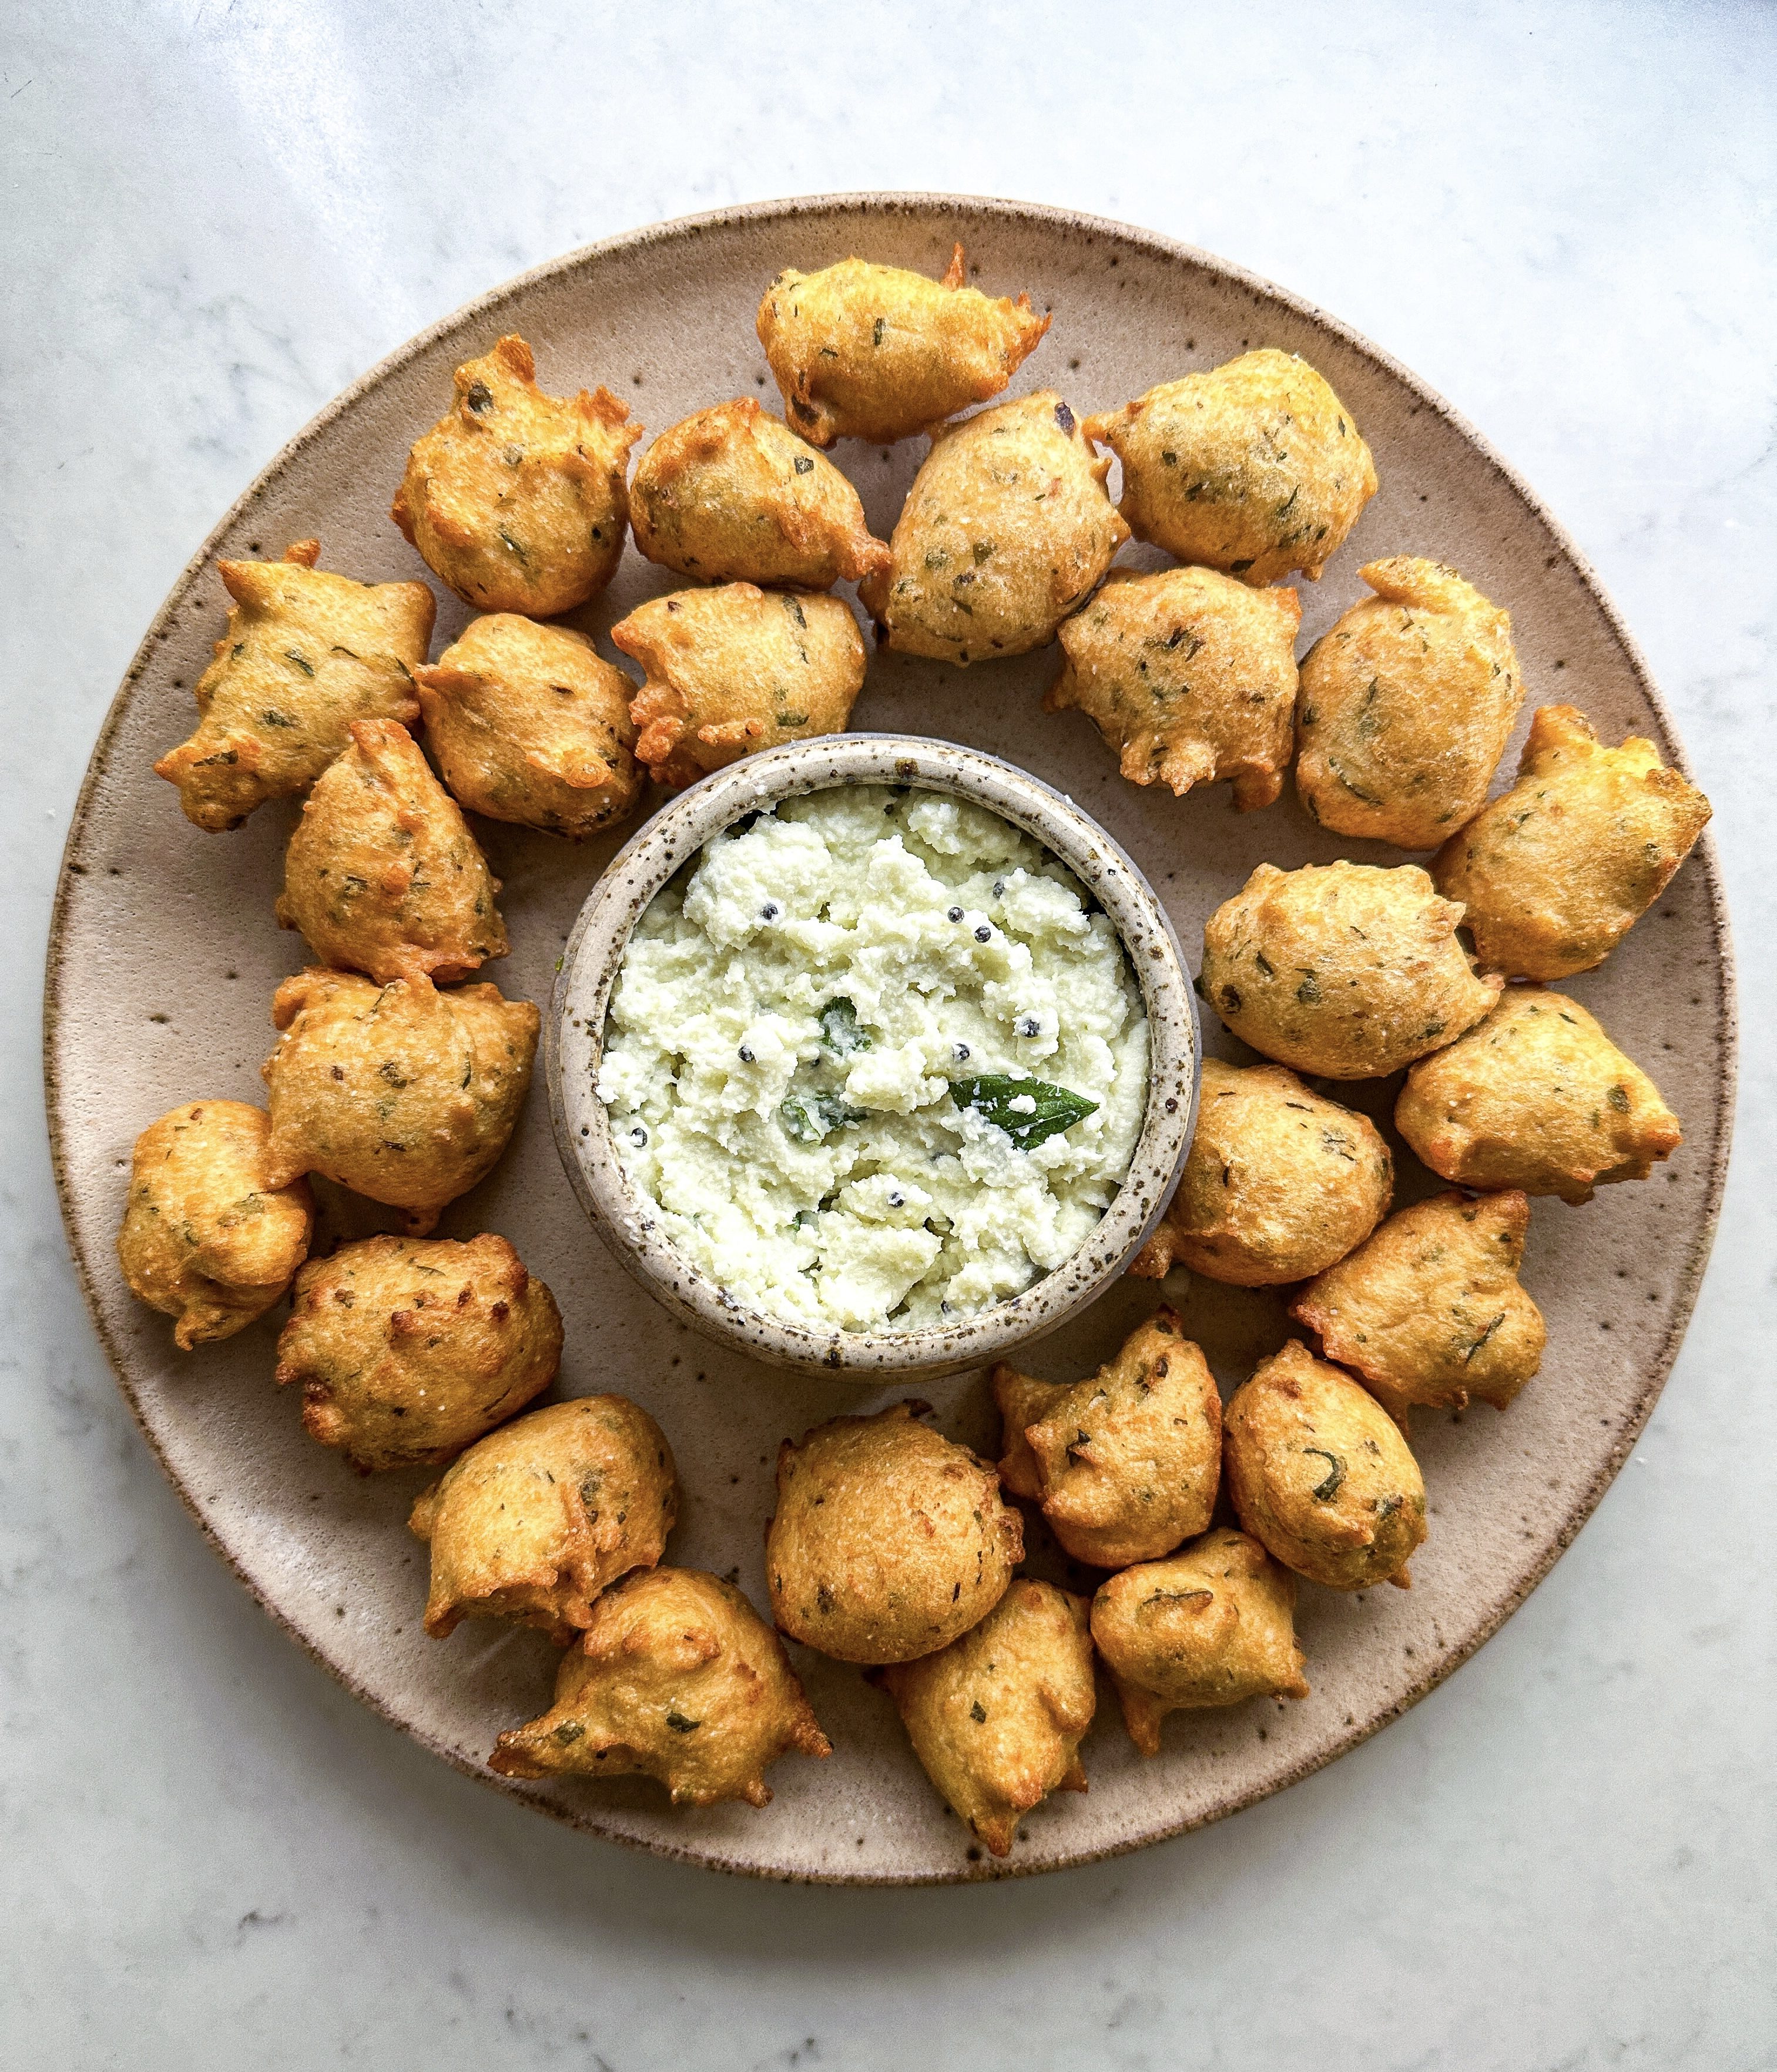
{"points": [[796, 1047]]}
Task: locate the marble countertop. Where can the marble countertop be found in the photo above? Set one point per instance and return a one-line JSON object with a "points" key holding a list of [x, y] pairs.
{"points": [[1562, 217]]}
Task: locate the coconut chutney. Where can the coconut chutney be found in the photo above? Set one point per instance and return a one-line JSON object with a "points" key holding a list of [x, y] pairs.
{"points": [[875, 1059]]}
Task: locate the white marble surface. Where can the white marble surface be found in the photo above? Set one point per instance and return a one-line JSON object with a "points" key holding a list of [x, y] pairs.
{"points": [[1562, 217]]}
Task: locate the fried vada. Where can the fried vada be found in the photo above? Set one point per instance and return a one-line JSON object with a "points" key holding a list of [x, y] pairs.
{"points": [[1347, 970], [732, 496], [382, 874], [207, 1237], [400, 1092], [1255, 468], [1405, 708], [1006, 530], [1554, 874], [996, 1718], [535, 1520], [1279, 1184], [516, 499], [1190, 678], [528, 724], [306, 653], [1320, 1475], [1429, 1310], [733, 670], [1129, 1459], [676, 1678], [1537, 1097], [863, 352], [408, 1350], [888, 1540], [1213, 1626]]}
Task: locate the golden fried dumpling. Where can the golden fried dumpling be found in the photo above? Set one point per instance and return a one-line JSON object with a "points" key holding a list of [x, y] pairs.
{"points": [[1190, 678], [1213, 1626], [1129, 1459], [996, 1718], [1555, 874], [207, 1236], [1023, 1401], [382, 874], [529, 723], [736, 669], [1347, 970], [517, 499], [1537, 1097], [862, 351], [306, 653], [536, 1519], [400, 1092], [1320, 1475], [1430, 1310], [1279, 1184], [732, 496], [676, 1678], [1405, 708], [1006, 530], [410, 1349], [1255, 467], [889, 1541]]}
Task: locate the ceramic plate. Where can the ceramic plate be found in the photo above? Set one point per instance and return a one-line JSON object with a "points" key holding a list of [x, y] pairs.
{"points": [[164, 955]]}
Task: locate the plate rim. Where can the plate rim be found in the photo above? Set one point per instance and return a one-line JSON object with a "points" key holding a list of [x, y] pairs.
{"points": [[864, 203]]}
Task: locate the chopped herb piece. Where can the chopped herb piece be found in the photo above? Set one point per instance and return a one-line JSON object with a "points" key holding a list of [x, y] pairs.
{"points": [[839, 1030], [680, 1725], [811, 1118], [978, 1713], [805, 464], [1051, 1109], [1325, 1491]]}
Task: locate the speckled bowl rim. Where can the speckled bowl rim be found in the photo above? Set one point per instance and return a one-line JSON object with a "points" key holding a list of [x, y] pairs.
{"points": [[574, 1033], [1688, 1262]]}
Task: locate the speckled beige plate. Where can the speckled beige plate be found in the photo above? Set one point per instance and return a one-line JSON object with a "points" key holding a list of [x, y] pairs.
{"points": [[164, 955]]}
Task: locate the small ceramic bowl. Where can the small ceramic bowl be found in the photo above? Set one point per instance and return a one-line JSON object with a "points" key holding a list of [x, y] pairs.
{"points": [[574, 1042]]}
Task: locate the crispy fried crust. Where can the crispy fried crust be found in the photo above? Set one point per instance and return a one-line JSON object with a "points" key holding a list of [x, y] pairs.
{"points": [[1537, 1097], [400, 1092], [517, 499], [1429, 1310], [889, 1541], [306, 653], [1190, 678], [382, 874], [876, 352], [1129, 1459], [1321, 1476], [408, 1350], [1006, 530], [732, 496], [1023, 1401], [1406, 706], [1213, 1626], [1279, 1183], [528, 724], [1555, 874], [207, 1236], [1347, 970], [676, 1677], [536, 1519], [733, 670], [996, 1717], [1255, 467]]}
